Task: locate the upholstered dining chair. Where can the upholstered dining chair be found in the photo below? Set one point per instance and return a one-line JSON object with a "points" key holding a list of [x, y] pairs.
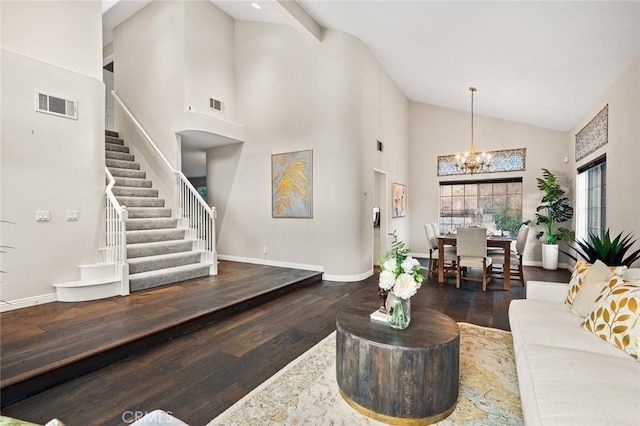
{"points": [[449, 256], [472, 253], [515, 269]]}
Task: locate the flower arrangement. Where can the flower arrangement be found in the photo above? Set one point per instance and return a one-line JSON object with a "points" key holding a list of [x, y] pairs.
{"points": [[399, 272], [400, 276]]}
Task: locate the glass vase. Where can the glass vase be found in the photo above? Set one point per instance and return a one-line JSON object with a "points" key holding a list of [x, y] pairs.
{"points": [[398, 311]]}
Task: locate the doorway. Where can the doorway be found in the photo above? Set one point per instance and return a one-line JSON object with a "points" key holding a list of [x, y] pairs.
{"points": [[381, 208], [108, 80]]}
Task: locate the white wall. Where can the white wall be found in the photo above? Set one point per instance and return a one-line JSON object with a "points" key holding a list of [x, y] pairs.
{"points": [[48, 162], [438, 131], [209, 63], [295, 94], [62, 33], [622, 149], [149, 70]]}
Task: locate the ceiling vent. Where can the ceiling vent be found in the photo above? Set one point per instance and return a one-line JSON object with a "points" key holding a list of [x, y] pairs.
{"points": [[57, 106], [216, 105]]}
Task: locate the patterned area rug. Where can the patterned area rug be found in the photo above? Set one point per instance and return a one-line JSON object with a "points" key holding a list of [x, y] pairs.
{"points": [[305, 392]]}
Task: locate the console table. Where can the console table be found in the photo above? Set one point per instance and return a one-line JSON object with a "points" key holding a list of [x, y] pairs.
{"points": [[399, 376]]}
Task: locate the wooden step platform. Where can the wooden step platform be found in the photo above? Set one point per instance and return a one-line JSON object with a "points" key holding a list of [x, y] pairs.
{"points": [[49, 344]]}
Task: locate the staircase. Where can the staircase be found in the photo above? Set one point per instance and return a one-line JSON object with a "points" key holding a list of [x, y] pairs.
{"points": [[159, 252]]}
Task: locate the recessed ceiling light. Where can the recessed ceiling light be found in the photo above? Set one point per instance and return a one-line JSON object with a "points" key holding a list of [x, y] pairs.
{"points": [[256, 5]]}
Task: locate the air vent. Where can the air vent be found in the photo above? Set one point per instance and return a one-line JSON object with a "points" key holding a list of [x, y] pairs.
{"points": [[216, 104], [57, 106]]}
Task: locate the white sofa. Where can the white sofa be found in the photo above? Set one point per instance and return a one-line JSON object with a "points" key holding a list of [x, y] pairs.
{"points": [[567, 375]]}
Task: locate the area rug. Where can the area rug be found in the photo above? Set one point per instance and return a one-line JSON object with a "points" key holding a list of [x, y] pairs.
{"points": [[305, 392]]}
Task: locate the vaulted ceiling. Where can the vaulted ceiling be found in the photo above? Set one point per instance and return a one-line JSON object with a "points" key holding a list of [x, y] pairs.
{"points": [[541, 63]]}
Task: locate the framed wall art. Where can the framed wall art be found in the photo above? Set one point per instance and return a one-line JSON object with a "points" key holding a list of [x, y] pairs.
{"points": [[399, 200], [292, 184]]}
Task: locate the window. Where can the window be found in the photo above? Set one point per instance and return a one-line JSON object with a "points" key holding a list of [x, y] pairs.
{"points": [[591, 195], [492, 204]]}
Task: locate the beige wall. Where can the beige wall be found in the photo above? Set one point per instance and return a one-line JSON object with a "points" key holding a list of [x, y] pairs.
{"points": [[438, 131], [622, 150], [295, 94], [49, 162]]}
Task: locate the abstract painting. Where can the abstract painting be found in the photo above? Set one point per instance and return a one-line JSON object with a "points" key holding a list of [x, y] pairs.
{"points": [[292, 184], [399, 200]]}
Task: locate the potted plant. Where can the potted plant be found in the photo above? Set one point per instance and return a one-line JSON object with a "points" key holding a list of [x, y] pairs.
{"points": [[610, 252], [554, 209]]}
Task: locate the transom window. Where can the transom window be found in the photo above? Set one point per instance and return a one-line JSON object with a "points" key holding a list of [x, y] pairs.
{"points": [[491, 204]]}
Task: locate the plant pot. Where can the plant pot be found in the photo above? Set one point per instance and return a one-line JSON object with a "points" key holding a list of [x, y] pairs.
{"points": [[550, 256]]}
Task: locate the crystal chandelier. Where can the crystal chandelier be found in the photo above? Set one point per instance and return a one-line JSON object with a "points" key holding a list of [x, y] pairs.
{"points": [[472, 162]]}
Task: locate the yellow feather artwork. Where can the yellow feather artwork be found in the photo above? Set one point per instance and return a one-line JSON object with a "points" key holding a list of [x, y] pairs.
{"points": [[292, 184]]}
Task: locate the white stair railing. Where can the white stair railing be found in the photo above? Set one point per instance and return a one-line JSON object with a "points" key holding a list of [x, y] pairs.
{"points": [[199, 217], [115, 234]]}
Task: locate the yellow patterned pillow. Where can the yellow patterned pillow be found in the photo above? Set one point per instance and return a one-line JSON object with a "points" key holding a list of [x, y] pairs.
{"points": [[577, 278], [616, 316]]}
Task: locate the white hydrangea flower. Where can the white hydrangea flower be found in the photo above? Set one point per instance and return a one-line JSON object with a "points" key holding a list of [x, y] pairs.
{"points": [[405, 286], [387, 280], [408, 264], [390, 265]]}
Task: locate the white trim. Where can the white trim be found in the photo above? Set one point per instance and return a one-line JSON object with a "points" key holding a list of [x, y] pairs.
{"points": [[348, 278], [538, 263], [420, 255], [27, 301], [267, 262]]}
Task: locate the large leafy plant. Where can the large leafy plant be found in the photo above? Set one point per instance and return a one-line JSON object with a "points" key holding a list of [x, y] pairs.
{"points": [[611, 252], [554, 209]]}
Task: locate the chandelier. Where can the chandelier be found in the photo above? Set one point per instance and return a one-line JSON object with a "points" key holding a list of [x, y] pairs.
{"points": [[472, 162]]}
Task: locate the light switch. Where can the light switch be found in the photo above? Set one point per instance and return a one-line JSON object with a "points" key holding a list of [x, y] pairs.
{"points": [[72, 215], [42, 215]]}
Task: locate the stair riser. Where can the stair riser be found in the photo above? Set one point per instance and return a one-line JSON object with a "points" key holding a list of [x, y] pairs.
{"points": [[134, 237], [133, 183], [167, 248], [127, 173], [123, 191], [157, 223], [122, 164], [148, 212], [140, 202], [112, 155], [138, 284], [116, 148], [154, 265]]}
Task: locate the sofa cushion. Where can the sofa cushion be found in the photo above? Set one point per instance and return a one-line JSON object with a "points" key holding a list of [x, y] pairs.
{"points": [[581, 269], [595, 280], [561, 386], [616, 316], [553, 324]]}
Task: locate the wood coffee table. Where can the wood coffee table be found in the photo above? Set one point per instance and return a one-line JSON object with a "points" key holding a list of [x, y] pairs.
{"points": [[399, 376]]}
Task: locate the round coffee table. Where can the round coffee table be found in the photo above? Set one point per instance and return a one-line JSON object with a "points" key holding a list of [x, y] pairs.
{"points": [[408, 376]]}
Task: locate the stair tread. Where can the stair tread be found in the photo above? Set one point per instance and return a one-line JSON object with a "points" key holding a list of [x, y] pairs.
{"points": [[159, 272]]}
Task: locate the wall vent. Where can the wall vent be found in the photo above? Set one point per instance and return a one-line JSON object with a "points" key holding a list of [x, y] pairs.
{"points": [[216, 105], [57, 106]]}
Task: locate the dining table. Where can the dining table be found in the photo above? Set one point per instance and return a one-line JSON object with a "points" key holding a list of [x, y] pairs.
{"points": [[503, 242]]}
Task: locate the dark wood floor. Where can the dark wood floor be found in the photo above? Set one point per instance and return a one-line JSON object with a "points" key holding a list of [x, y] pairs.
{"points": [[199, 375]]}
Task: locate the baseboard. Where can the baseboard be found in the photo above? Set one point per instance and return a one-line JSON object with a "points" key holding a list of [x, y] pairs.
{"points": [[268, 262], [538, 263], [27, 301]]}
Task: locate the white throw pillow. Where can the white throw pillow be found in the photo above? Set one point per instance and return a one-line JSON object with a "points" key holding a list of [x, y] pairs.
{"points": [[595, 280]]}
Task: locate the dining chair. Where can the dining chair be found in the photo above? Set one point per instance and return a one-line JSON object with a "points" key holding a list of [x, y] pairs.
{"points": [[472, 253], [515, 269], [448, 258]]}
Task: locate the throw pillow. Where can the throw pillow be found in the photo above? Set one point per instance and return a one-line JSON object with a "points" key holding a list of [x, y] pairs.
{"points": [[596, 278], [616, 316], [577, 278]]}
